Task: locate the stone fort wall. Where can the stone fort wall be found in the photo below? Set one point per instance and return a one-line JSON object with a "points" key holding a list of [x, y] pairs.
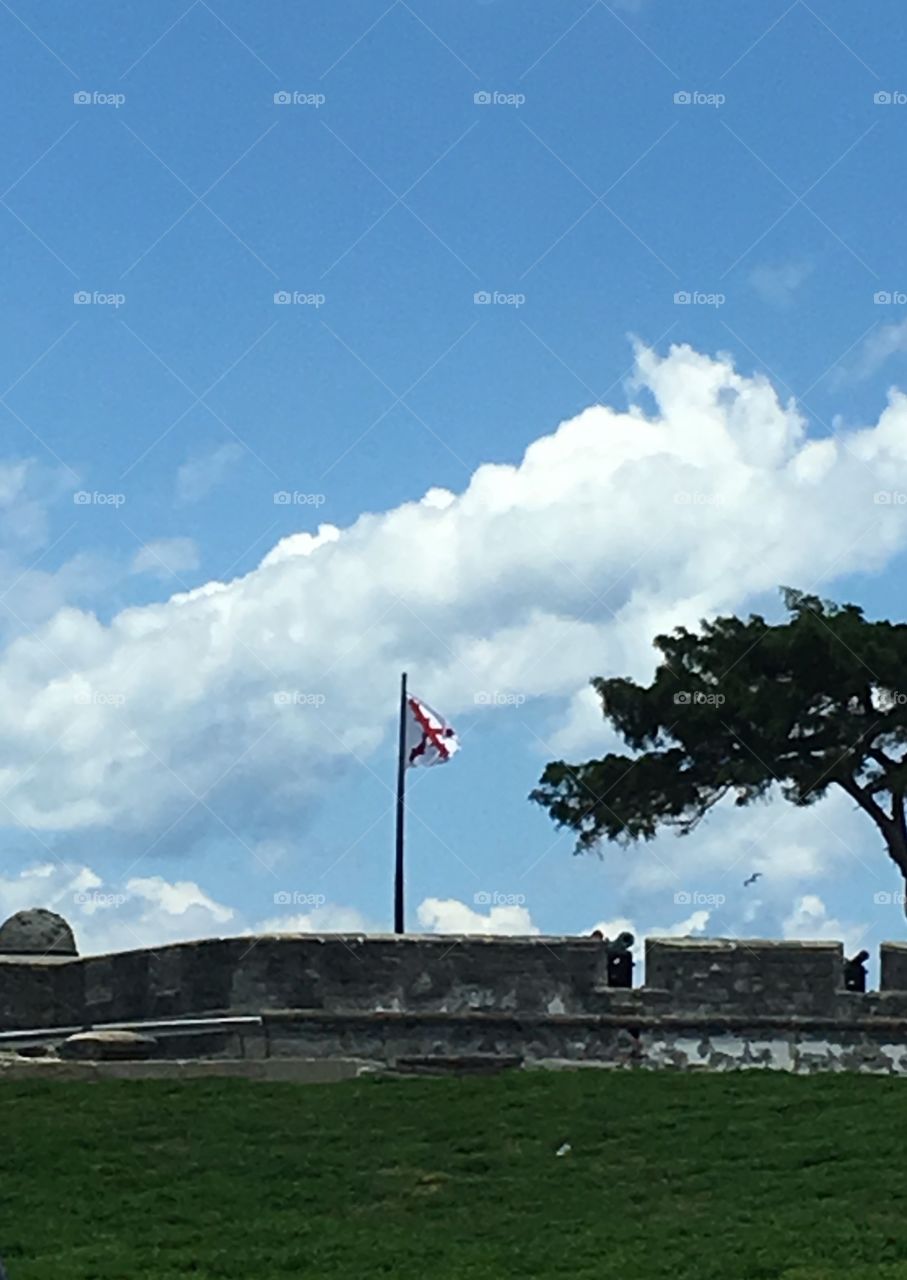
{"points": [[702, 1002]]}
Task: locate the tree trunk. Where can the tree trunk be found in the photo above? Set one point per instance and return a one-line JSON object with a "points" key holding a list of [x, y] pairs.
{"points": [[896, 843]]}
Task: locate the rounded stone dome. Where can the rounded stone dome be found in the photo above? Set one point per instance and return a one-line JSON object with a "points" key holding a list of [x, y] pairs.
{"points": [[37, 932]]}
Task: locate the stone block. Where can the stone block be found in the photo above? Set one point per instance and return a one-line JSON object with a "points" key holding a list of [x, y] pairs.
{"points": [[108, 1046]]}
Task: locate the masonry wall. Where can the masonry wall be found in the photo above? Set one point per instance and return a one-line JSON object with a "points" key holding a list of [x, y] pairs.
{"points": [[797, 1044], [695, 990], [331, 972], [748, 974], [893, 966]]}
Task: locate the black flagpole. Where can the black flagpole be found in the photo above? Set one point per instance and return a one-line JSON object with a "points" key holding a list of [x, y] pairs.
{"points": [[401, 775]]}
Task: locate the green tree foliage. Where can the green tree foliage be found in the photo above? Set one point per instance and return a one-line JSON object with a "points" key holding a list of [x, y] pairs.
{"points": [[806, 704]]}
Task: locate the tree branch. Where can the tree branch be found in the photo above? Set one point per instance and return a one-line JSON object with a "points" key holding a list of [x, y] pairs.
{"points": [[898, 816], [866, 803], [686, 825]]}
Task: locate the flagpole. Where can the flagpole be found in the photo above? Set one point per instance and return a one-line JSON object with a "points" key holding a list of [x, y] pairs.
{"points": [[401, 776]]}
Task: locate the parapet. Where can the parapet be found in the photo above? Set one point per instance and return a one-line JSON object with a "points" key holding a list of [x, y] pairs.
{"points": [[893, 966], [454, 975], [747, 974]]}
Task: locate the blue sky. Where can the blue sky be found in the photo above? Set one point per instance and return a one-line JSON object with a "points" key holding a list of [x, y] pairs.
{"points": [[481, 215]]}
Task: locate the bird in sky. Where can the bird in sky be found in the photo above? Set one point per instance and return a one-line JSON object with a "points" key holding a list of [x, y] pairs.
{"points": [[752, 879]]}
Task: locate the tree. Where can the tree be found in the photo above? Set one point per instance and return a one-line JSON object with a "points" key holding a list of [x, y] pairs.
{"points": [[806, 704]]}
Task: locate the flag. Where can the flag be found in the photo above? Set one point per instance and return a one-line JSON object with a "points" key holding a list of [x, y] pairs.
{"points": [[429, 738]]}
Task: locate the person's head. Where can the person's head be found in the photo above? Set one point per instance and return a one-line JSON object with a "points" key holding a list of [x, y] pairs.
{"points": [[597, 933]]}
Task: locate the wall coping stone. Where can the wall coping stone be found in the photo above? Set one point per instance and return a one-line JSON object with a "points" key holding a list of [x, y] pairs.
{"points": [[747, 944], [698, 1021], [444, 941]]}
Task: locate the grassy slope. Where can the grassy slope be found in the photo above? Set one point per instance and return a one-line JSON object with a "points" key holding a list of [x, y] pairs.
{"points": [[739, 1177]]}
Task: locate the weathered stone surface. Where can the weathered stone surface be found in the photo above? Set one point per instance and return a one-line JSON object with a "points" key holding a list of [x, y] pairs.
{"points": [[748, 974], [709, 1004], [893, 966], [37, 932], [478, 1064], [800, 1044], [108, 1045], [433, 974]]}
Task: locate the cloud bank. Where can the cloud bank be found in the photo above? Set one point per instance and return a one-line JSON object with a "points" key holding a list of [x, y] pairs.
{"points": [[616, 526]]}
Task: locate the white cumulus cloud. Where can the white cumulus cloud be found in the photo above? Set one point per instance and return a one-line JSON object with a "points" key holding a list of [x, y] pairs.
{"points": [[447, 915], [535, 577], [809, 920]]}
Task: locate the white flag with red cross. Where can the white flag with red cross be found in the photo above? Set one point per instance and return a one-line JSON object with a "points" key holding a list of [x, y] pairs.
{"points": [[429, 738]]}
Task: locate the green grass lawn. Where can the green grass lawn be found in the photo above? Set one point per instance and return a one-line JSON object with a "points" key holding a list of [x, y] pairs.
{"points": [[686, 1177]]}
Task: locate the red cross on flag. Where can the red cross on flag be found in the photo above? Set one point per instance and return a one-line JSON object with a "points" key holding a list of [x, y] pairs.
{"points": [[425, 739], [429, 738]]}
